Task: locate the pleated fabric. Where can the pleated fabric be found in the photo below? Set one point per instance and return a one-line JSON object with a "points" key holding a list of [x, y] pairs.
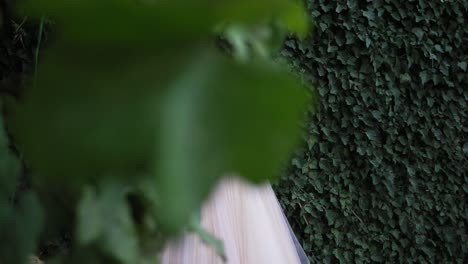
{"points": [[249, 221]]}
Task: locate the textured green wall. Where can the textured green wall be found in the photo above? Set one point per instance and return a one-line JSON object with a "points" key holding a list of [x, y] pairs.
{"points": [[386, 180]]}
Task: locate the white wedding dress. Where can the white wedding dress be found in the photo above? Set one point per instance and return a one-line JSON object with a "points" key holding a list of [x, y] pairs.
{"points": [[249, 221]]}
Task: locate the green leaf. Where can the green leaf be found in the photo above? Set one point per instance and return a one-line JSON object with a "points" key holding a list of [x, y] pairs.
{"points": [[424, 77], [363, 203], [98, 112], [295, 18], [220, 117], [403, 222], [372, 135], [462, 65], [444, 68], [370, 14], [330, 215], [420, 239], [438, 48], [405, 77], [340, 8], [368, 41], [90, 224], [318, 186], [418, 32], [104, 217]]}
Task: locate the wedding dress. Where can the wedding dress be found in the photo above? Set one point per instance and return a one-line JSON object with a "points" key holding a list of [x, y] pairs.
{"points": [[249, 221]]}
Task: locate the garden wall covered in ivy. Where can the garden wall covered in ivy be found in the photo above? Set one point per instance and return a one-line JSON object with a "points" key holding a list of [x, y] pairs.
{"points": [[383, 175]]}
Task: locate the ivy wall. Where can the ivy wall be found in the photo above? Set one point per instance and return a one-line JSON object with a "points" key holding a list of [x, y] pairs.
{"points": [[383, 175]]}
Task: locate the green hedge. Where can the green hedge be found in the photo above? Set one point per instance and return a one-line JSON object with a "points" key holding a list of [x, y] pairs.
{"points": [[383, 173]]}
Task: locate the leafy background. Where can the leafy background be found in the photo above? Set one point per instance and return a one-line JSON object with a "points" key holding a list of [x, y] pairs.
{"points": [[382, 176]]}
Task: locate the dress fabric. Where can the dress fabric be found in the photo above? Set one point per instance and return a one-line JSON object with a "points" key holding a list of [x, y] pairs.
{"points": [[249, 221]]}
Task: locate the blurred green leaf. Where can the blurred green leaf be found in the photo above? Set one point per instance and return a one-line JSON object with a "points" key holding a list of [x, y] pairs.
{"points": [[103, 217], [92, 116], [295, 18], [221, 117]]}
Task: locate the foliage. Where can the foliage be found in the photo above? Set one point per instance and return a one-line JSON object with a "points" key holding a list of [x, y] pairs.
{"points": [[135, 114], [20, 224], [383, 173]]}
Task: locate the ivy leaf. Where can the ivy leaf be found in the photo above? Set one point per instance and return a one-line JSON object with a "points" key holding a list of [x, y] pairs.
{"points": [[372, 135], [405, 77], [368, 41], [420, 239], [424, 77], [370, 14], [330, 216], [438, 48], [418, 32], [339, 8], [462, 65], [403, 222]]}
